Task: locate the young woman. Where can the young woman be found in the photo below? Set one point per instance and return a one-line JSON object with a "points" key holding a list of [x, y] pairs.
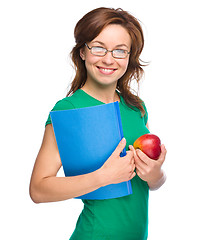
{"points": [[106, 57]]}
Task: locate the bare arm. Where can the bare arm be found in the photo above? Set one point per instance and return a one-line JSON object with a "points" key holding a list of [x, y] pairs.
{"points": [[45, 186]]}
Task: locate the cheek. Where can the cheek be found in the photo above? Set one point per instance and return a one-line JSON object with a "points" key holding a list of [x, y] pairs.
{"points": [[91, 60], [90, 63], [124, 65]]}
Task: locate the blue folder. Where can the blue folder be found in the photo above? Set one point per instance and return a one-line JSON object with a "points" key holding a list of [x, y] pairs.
{"points": [[86, 137]]}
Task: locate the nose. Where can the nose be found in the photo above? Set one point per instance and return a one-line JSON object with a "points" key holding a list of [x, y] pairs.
{"points": [[108, 59]]}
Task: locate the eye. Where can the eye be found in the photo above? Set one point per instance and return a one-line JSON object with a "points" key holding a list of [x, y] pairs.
{"points": [[120, 53], [99, 51]]}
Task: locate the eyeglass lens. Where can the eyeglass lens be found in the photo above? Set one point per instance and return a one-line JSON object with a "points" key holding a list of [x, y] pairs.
{"points": [[117, 53]]}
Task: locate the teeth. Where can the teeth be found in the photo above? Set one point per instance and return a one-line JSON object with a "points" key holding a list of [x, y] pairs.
{"points": [[107, 70]]}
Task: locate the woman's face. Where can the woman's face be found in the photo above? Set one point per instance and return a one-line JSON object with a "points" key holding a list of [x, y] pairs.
{"points": [[106, 70]]}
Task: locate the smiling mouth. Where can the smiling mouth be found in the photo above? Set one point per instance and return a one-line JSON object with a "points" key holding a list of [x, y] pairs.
{"points": [[106, 70]]}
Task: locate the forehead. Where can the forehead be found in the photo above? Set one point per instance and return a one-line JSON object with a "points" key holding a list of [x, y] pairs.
{"points": [[113, 35]]}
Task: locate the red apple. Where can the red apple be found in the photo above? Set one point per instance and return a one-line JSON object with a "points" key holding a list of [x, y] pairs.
{"points": [[150, 144]]}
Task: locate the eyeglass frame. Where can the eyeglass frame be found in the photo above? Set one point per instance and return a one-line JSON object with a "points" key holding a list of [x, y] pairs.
{"points": [[106, 51]]}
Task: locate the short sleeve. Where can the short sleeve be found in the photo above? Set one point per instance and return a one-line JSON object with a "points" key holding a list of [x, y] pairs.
{"points": [[63, 104], [146, 114]]}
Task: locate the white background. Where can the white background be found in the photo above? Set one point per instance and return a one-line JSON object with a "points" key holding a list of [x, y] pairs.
{"points": [[36, 38]]}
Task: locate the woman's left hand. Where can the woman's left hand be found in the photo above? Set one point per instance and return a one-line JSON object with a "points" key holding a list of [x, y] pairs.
{"points": [[148, 169]]}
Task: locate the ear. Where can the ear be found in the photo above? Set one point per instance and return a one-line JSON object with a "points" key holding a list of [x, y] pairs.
{"points": [[82, 53]]}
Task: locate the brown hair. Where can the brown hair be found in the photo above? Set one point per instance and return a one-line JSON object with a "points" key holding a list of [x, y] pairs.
{"points": [[88, 28]]}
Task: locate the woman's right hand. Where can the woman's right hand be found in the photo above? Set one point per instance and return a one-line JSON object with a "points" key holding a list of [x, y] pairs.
{"points": [[118, 169]]}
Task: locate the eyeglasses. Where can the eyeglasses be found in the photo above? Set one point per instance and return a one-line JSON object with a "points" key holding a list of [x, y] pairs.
{"points": [[101, 52]]}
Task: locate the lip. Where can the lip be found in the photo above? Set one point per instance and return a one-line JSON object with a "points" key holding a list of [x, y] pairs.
{"points": [[106, 71]]}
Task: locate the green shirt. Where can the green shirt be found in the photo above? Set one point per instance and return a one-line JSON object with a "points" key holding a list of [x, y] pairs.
{"points": [[124, 218]]}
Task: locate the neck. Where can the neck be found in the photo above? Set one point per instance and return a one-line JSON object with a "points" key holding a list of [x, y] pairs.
{"points": [[104, 94]]}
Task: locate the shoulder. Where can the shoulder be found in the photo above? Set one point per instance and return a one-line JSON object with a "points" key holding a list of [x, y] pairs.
{"points": [[77, 100], [146, 113], [63, 104], [69, 102], [145, 116], [136, 108]]}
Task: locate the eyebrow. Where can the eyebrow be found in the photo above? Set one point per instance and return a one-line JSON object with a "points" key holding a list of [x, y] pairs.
{"points": [[119, 45]]}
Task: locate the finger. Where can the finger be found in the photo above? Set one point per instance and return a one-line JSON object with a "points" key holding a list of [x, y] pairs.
{"points": [[132, 149], [137, 160], [141, 167], [130, 156], [132, 175], [139, 173], [132, 165], [163, 154], [134, 168], [120, 147], [139, 163], [143, 157]]}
